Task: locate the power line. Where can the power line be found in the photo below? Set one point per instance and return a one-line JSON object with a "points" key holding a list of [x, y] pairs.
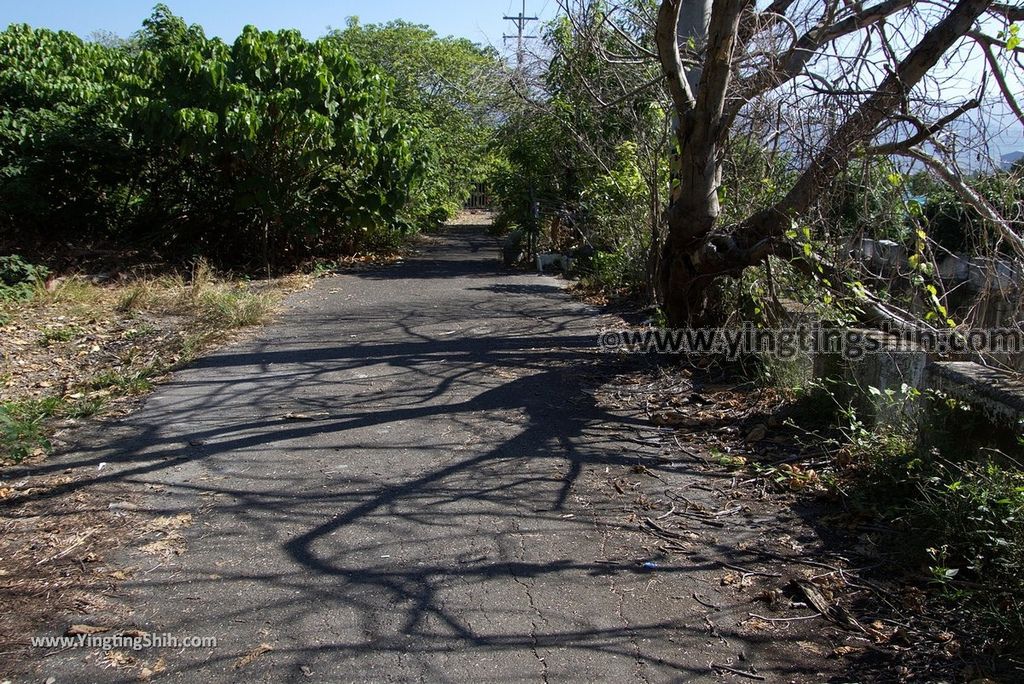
{"points": [[520, 22]]}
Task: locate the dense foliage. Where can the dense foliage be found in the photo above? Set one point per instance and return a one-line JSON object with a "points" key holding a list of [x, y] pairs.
{"points": [[260, 152], [450, 90], [585, 161], [18, 278]]}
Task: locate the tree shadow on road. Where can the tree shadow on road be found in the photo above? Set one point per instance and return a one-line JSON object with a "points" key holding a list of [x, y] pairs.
{"points": [[412, 500]]}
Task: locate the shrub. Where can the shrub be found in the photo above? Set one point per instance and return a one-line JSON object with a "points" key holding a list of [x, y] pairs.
{"points": [[19, 279], [953, 491], [261, 152]]}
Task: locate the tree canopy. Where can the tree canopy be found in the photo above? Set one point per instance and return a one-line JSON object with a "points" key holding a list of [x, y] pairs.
{"points": [[265, 150], [449, 89]]}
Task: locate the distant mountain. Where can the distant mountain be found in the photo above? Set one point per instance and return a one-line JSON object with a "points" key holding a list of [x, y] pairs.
{"points": [[1011, 158]]}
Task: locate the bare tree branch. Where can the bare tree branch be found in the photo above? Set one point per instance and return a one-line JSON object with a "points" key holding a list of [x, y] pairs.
{"points": [[971, 197], [924, 132], [1007, 11], [790, 65], [1000, 77], [668, 54], [866, 118]]}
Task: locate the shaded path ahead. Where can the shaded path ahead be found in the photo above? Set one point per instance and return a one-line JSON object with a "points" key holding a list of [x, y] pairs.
{"points": [[432, 522]]}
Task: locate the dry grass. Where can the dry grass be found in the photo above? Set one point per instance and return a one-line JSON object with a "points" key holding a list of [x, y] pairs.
{"points": [[55, 552], [79, 349], [211, 302], [201, 295], [77, 345]]}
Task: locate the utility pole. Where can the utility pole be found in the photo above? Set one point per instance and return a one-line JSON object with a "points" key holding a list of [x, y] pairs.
{"points": [[520, 21]]}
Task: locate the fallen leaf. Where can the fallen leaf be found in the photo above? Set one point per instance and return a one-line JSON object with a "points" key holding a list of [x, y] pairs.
{"points": [[673, 419], [171, 545], [78, 630], [252, 655], [757, 433], [172, 522], [148, 672], [117, 659]]}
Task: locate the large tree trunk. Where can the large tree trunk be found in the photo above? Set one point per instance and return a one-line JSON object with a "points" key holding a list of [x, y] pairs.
{"points": [[689, 294], [681, 298], [692, 27]]}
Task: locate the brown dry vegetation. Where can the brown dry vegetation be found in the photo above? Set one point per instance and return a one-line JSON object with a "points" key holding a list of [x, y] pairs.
{"points": [[75, 352], [77, 347]]}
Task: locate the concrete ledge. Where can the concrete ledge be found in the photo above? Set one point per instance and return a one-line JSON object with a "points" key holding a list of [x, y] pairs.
{"points": [[890, 368], [997, 394]]}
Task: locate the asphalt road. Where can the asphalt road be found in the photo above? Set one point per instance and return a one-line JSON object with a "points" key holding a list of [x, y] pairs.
{"points": [[389, 483]]}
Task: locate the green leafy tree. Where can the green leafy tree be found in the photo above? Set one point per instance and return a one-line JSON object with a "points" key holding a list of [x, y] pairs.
{"points": [[446, 87], [62, 148], [264, 151], [591, 141]]}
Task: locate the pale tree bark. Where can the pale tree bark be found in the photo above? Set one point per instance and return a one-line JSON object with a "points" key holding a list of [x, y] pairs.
{"points": [[692, 30]]}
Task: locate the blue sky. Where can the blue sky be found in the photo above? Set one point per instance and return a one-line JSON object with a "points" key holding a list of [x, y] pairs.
{"points": [[479, 20]]}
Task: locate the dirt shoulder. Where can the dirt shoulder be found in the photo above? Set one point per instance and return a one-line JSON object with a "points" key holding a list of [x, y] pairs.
{"points": [[74, 359], [743, 487]]}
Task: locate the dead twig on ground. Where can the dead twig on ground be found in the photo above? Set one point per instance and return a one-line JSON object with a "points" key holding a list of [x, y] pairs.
{"points": [[786, 619], [750, 573], [68, 550], [732, 670]]}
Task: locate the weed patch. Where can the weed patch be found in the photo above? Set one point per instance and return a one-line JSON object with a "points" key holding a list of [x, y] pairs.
{"points": [[59, 334], [19, 280], [949, 486], [75, 346], [22, 431]]}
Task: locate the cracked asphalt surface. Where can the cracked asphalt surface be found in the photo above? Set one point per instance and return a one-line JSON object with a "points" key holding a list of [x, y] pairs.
{"points": [[395, 481]]}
